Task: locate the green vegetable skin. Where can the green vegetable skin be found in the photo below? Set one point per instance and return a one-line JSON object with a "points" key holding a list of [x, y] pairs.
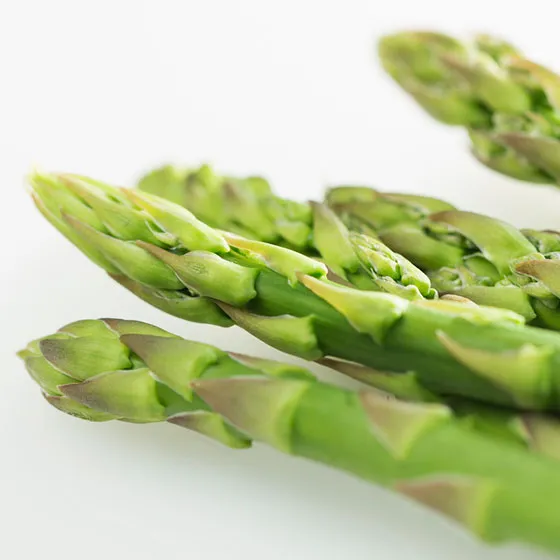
{"points": [[464, 254], [159, 251], [115, 369], [508, 104]]}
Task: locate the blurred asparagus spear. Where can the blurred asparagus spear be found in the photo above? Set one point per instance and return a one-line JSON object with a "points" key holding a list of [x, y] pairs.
{"points": [[508, 104]]}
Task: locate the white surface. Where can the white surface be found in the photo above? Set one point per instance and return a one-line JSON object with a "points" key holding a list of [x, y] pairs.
{"points": [[289, 89]]}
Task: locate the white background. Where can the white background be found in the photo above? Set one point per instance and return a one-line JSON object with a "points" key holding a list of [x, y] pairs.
{"points": [[289, 89]]}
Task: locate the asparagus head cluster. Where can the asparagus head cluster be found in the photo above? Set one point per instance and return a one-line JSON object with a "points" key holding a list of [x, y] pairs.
{"points": [[159, 251], [478, 257], [247, 206], [508, 104], [125, 370]]}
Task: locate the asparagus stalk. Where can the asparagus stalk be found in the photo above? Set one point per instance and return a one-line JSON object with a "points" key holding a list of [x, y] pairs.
{"points": [[162, 253], [535, 431], [64, 363], [126, 370], [464, 254], [508, 104], [248, 207]]}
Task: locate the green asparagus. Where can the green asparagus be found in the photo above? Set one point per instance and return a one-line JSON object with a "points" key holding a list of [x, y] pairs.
{"points": [[471, 255], [535, 431], [508, 103], [249, 208], [114, 369], [464, 254], [161, 252]]}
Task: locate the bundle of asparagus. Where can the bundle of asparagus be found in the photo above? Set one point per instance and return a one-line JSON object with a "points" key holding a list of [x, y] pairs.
{"points": [[508, 103], [425, 304], [159, 251], [439, 354]]}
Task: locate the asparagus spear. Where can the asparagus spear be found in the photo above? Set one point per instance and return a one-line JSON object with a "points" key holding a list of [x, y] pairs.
{"points": [[115, 369], [508, 104], [464, 254], [478, 257], [162, 253], [248, 207]]}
